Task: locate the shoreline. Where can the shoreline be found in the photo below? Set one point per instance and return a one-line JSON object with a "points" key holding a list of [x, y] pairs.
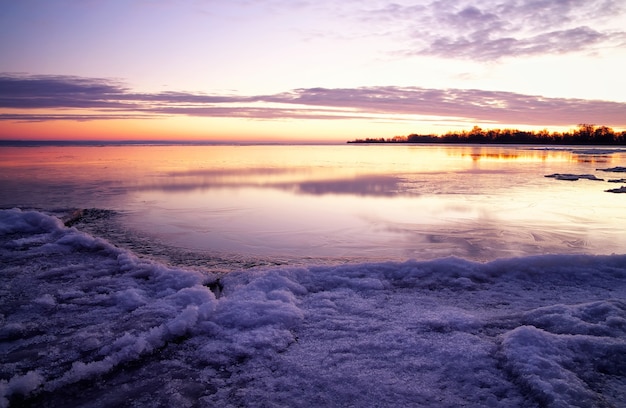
{"points": [[443, 332]]}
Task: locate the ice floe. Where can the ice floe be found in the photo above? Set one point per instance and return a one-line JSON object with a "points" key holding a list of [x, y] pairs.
{"points": [[617, 169], [621, 189], [573, 177]]}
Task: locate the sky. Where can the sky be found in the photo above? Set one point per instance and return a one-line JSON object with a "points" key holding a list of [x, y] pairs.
{"points": [[299, 70]]}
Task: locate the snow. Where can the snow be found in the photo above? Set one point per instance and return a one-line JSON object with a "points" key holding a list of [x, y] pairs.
{"points": [[84, 323]]}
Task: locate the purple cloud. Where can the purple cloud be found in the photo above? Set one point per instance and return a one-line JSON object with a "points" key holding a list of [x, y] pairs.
{"points": [[502, 107], [48, 91], [102, 99], [491, 30], [25, 117], [60, 91], [483, 47]]}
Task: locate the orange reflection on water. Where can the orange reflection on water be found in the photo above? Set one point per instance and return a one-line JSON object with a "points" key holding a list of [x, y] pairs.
{"points": [[388, 201], [534, 154]]}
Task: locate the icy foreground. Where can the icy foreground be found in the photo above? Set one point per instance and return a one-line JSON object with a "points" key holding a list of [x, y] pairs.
{"points": [[84, 323]]}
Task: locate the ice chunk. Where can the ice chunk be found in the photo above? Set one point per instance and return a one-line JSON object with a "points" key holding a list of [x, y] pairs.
{"points": [[617, 169], [574, 177], [622, 189]]}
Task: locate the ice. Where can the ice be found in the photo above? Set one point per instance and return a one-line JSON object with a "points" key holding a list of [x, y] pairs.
{"points": [[573, 177], [84, 323], [621, 189], [617, 169]]}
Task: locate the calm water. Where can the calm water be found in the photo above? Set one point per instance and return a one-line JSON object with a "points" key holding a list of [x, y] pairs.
{"points": [[347, 201]]}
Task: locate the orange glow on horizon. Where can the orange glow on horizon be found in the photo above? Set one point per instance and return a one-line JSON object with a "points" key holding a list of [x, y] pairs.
{"points": [[185, 128], [198, 128]]}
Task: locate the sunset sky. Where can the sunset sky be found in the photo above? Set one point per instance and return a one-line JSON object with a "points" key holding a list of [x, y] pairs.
{"points": [[299, 70]]}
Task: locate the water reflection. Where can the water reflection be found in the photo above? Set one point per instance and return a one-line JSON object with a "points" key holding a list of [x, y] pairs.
{"points": [[587, 158], [376, 185], [360, 185], [482, 153], [409, 171], [578, 155], [479, 202], [492, 156]]}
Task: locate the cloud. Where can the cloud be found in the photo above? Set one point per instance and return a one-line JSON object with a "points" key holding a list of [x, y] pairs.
{"points": [[25, 117], [48, 91], [62, 91], [91, 99], [485, 48], [503, 107], [490, 30]]}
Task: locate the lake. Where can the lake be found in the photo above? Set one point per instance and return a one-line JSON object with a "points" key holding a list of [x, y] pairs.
{"points": [[335, 202], [264, 276]]}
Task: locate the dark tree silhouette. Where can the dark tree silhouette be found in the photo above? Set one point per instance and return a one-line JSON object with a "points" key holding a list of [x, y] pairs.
{"points": [[586, 134]]}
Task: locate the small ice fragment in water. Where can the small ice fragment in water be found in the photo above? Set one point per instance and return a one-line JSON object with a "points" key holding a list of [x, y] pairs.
{"points": [[622, 189], [614, 169], [573, 177]]}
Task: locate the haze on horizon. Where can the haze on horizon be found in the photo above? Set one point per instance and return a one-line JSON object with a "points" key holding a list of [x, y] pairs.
{"points": [[277, 70]]}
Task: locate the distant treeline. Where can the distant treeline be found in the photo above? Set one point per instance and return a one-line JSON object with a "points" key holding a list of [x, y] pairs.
{"points": [[586, 134]]}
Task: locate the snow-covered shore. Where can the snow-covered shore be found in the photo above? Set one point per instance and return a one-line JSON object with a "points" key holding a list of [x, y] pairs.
{"points": [[85, 323]]}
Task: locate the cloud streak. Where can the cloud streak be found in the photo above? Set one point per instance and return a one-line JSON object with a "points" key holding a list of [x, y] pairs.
{"points": [[23, 98], [47, 91]]}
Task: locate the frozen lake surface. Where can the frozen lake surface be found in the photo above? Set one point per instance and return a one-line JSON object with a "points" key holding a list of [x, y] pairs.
{"points": [[279, 276], [85, 323]]}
